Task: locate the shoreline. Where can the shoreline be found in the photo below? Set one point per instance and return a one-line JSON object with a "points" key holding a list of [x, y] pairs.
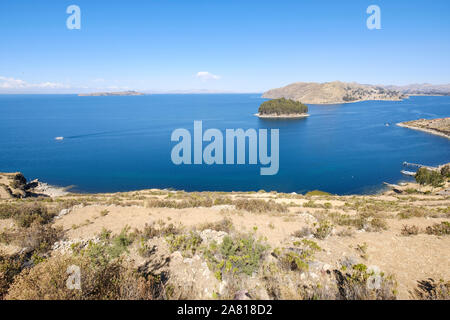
{"points": [[282, 116], [430, 131]]}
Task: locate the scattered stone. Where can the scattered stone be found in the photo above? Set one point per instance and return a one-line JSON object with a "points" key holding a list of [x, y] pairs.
{"points": [[349, 261], [209, 235], [242, 295]]}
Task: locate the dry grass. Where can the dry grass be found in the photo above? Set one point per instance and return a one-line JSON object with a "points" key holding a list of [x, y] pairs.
{"points": [[431, 290], [112, 280], [24, 213], [409, 230], [439, 229], [260, 206]]}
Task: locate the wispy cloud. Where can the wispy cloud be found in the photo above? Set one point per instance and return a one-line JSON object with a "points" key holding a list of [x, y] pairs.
{"points": [[205, 76], [12, 83]]}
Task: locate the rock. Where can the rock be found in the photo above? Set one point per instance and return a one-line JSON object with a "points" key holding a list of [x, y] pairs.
{"points": [[32, 184], [319, 266], [5, 192], [242, 295], [349, 261], [374, 269], [209, 235], [18, 193], [308, 218], [67, 246], [62, 213]]}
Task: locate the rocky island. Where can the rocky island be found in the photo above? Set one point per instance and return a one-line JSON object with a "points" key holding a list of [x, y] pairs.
{"points": [[439, 126], [282, 108], [333, 92], [104, 94]]}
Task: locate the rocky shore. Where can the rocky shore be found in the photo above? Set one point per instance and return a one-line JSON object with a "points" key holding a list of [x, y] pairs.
{"points": [[15, 185], [282, 116], [440, 127]]}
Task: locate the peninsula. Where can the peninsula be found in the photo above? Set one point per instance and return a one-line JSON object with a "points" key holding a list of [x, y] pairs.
{"points": [[282, 108], [333, 92], [439, 126], [104, 94]]}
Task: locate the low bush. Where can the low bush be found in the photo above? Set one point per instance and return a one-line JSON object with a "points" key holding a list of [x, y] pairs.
{"points": [[187, 244], [241, 254], [323, 229], [445, 171], [24, 214], [260, 206], [114, 280], [414, 212], [298, 258], [431, 290], [159, 229], [359, 283], [225, 225], [429, 177], [409, 230], [378, 224], [439, 229], [10, 267]]}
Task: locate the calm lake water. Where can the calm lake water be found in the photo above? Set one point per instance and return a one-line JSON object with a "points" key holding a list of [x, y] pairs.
{"points": [[123, 143]]}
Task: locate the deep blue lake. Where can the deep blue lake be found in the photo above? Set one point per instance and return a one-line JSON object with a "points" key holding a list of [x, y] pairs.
{"points": [[123, 143]]}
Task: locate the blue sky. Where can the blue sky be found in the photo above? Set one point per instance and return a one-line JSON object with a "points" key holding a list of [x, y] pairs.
{"points": [[243, 46]]}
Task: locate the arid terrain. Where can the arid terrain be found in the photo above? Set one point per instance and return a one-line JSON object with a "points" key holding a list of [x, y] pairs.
{"points": [[163, 244], [333, 92], [439, 126]]}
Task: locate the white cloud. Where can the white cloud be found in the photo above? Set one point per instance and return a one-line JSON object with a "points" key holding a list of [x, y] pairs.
{"points": [[205, 76], [11, 83]]}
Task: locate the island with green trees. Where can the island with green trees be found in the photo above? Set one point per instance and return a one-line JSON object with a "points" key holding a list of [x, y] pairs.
{"points": [[282, 108]]}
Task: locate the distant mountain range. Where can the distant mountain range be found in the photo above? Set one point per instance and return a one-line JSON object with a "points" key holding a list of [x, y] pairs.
{"points": [[344, 92], [424, 88], [102, 94]]}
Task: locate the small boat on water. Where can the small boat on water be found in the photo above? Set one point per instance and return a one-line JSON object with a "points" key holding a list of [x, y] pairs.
{"points": [[59, 138], [408, 173]]}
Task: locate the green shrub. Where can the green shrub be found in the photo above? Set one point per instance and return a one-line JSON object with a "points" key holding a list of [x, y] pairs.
{"points": [[429, 177], [187, 244], [359, 283], [241, 254], [298, 259], [445, 171], [323, 230]]}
